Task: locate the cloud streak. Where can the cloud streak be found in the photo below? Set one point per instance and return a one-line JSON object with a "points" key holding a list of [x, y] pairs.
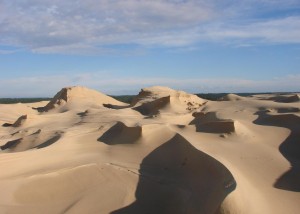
{"points": [[283, 30], [97, 26]]}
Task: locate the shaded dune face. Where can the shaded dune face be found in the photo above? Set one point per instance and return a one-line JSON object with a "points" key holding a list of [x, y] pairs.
{"points": [[121, 134], [143, 94], [59, 99], [209, 122], [177, 178], [288, 110], [290, 148], [20, 121], [153, 107], [287, 99]]}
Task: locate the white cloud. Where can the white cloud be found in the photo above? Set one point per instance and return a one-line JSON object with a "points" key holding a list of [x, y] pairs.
{"points": [[39, 25], [102, 81], [91, 26]]}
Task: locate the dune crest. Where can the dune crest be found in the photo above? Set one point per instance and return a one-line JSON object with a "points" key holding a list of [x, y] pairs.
{"points": [[77, 97], [151, 101], [231, 97]]}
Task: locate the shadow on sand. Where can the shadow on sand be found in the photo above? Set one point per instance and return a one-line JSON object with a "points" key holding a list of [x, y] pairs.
{"points": [[177, 178], [290, 147]]}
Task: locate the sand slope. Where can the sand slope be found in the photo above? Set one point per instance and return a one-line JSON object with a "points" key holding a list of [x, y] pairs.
{"points": [[169, 152]]}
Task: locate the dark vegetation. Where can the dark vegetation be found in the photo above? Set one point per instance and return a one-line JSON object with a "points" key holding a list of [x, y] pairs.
{"points": [[124, 98], [212, 96], [216, 96], [22, 100]]}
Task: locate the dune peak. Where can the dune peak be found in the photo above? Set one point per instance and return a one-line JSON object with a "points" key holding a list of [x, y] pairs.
{"points": [[81, 96], [231, 97], [152, 100]]}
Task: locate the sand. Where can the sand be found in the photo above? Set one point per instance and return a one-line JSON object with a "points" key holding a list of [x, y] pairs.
{"points": [[168, 152]]}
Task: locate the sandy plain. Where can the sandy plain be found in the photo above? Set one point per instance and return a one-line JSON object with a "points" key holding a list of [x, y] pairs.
{"points": [[168, 152]]}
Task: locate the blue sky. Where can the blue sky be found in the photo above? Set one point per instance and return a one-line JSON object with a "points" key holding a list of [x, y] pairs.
{"points": [[121, 46]]}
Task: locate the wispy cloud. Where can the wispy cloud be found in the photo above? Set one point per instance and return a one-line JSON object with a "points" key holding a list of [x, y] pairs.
{"points": [[282, 30], [48, 85], [94, 26]]}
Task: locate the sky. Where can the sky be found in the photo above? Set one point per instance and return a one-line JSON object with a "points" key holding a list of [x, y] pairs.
{"points": [[120, 46]]}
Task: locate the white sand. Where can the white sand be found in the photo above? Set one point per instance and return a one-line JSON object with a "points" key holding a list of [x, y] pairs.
{"points": [[168, 152]]}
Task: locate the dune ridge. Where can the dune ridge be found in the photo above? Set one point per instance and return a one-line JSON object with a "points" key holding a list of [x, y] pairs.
{"points": [[76, 97], [167, 152]]}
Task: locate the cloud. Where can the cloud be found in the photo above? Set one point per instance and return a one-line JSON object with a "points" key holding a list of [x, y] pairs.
{"points": [[47, 86], [4, 52], [57, 25], [97, 26], [283, 30]]}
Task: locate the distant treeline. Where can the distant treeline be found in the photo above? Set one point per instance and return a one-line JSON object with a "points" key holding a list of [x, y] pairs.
{"points": [[124, 98], [217, 96], [212, 96], [22, 100]]}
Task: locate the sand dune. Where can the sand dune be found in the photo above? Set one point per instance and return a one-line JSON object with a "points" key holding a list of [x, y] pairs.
{"points": [[167, 152], [120, 133], [231, 97], [152, 101], [78, 97]]}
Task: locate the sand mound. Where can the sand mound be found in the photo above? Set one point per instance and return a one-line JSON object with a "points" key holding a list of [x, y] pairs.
{"points": [[211, 123], [78, 97], [151, 101], [10, 112], [175, 178], [36, 140], [151, 94], [231, 97], [121, 134]]}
